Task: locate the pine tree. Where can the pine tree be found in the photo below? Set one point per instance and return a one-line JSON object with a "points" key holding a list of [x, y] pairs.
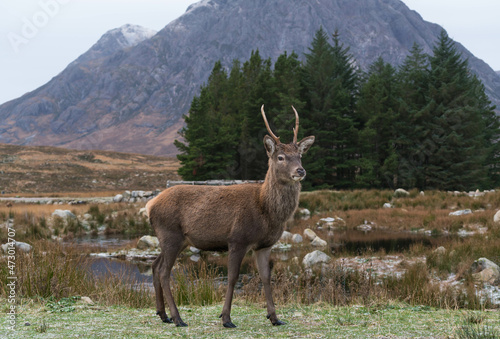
{"points": [[330, 84], [378, 108], [209, 133], [455, 145], [413, 78]]}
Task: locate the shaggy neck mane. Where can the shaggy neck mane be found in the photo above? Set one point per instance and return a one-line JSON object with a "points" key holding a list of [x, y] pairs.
{"points": [[279, 199]]}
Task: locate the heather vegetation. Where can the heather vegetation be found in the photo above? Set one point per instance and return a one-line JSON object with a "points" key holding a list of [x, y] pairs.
{"points": [[426, 124]]}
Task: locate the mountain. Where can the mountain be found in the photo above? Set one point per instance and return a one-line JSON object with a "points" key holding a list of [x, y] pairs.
{"points": [[129, 91]]}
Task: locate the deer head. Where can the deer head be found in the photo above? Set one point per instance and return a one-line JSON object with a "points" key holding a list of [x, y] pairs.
{"points": [[285, 159]]}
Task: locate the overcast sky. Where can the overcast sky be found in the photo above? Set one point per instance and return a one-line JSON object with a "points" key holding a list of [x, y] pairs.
{"points": [[39, 38]]}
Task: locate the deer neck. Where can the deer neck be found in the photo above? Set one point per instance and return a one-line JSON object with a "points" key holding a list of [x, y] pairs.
{"points": [[279, 199]]}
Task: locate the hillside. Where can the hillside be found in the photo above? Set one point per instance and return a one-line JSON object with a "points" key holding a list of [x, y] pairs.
{"points": [[129, 92], [41, 169]]}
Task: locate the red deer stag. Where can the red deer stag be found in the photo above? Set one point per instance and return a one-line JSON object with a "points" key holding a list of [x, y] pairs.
{"points": [[235, 218]]}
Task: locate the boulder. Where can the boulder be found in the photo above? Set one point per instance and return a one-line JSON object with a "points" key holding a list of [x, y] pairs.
{"points": [[399, 193], [304, 213], [118, 198], [19, 245], [486, 271], [496, 218], [440, 251], [147, 242], [87, 300], [286, 236], [461, 212], [297, 238], [316, 257], [64, 214], [318, 242], [309, 234], [194, 250], [335, 222]]}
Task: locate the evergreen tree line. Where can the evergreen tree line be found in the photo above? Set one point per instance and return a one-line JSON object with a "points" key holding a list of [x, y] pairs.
{"points": [[426, 124]]}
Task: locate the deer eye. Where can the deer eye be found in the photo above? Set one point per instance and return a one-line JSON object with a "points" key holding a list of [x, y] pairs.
{"points": [[281, 158]]}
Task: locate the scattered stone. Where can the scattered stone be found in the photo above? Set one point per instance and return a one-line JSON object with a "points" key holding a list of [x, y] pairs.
{"points": [[304, 213], [461, 212], [309, 234], [367, 226], [318, 242], [440, 250], [399, 193], [147, 242], [422, 193], [496, 218], [195, 257], [286, 236], [118, 198], [194, 250], [486, 271], [64, 214], [87, 300], [388, 205], [143, 211], [314, 258], [335, 222], [297, 238], [20, 246]]}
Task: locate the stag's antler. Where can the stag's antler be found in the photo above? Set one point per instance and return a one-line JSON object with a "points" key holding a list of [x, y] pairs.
{"points": [[277, 139], [296, 129]]}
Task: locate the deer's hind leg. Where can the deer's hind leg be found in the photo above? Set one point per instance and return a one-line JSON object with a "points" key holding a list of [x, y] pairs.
{"points": [[168, 254], [160, 303]]}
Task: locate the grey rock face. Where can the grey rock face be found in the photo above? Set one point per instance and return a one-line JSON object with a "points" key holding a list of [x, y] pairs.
{"points": [[132, 83]]}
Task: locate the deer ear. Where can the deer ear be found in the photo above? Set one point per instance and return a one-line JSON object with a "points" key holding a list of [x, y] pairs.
{"points": [[270, 145], [305, 144]]}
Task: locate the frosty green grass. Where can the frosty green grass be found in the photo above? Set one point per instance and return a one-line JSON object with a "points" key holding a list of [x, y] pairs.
{"points": [[35, 320]]}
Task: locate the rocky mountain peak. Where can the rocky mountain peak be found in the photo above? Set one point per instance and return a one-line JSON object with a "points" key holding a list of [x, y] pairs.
{"points": [[117, 39], [129, 91]]}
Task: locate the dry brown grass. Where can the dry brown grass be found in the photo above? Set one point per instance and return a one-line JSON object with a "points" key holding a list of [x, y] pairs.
{"points": [[40, 170]]}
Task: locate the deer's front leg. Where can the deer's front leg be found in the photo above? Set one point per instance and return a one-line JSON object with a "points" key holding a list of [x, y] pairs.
{"points": [[262, 259], [236, 254]]}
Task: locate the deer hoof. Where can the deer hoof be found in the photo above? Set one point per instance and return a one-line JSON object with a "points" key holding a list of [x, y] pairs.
{"points": [[279, 323], [229, 325], [181, 323], [164, 317]]}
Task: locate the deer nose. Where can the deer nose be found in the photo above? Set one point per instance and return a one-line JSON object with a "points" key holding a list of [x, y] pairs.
{"points": [[301, 172]]}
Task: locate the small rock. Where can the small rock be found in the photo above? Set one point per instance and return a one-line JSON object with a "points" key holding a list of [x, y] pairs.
{"points": [[461, 212], [318, 242], [143, 211], [286, 236], [304, 213], [314, 258], [309, 234], [399, 193], [147, 242], [118, 198], [64, 214], [194, 250], [195, 257], [486, 271], [335, 222], [388, 205], [297, 238], [496, 218], [19, 245], [440, 250], [87, 300]]}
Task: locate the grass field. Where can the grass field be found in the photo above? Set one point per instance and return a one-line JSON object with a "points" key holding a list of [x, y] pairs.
{"points": [[40, 169], [314, 321]]}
